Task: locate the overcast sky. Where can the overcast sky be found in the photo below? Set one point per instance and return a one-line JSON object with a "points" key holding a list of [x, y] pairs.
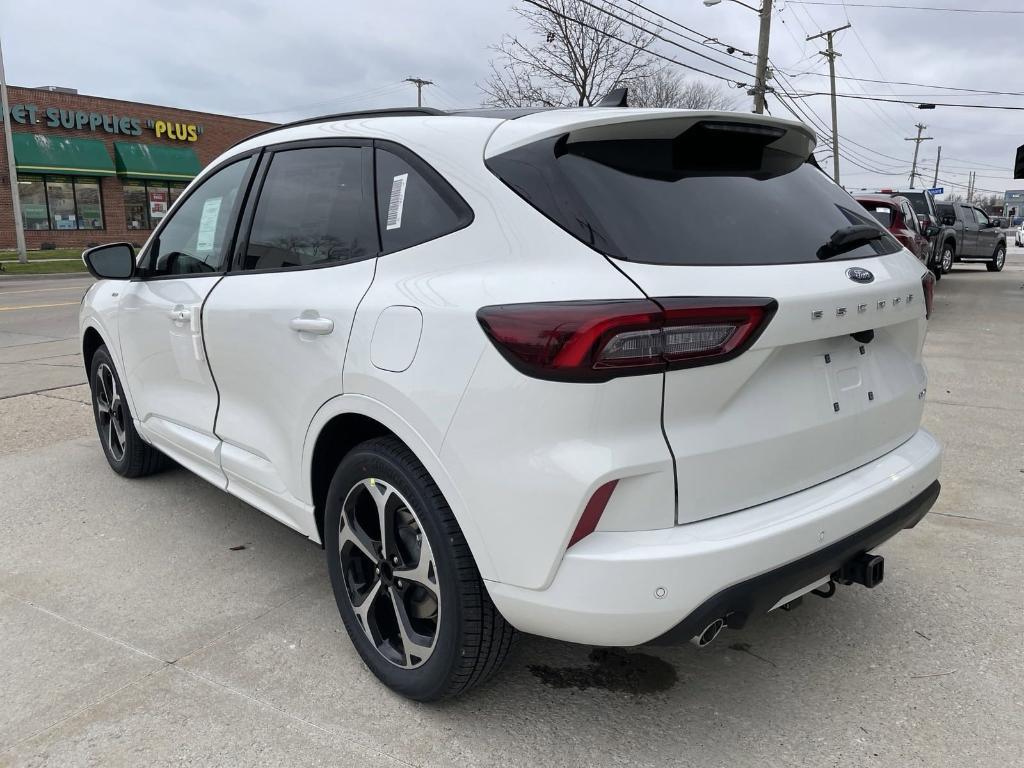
{"points": [[281, 60]]}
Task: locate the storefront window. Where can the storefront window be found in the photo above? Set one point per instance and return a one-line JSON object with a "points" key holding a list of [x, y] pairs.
{"points": [[87, 201], [60, 193], [34, 214], [60, 202], [136, 212], [147, 202]]}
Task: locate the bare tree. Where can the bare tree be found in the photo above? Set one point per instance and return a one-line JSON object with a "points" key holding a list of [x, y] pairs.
{"points": [[573, 54], [665, 87]]}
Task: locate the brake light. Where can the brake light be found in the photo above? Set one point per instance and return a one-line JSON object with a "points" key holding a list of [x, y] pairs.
{"points": [[593, 341], [928, 287]]}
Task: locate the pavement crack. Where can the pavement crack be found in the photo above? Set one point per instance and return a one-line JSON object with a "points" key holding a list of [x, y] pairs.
{"points": [[40, 391]]}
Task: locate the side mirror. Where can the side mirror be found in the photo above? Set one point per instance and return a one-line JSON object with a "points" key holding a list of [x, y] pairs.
{"points": [[115, 261], [931, 230]]}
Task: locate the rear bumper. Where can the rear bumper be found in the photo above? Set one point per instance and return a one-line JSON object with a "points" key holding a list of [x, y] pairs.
{"points": [[630, 588]]}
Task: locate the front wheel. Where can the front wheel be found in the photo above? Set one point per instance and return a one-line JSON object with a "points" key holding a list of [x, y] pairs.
{"points": [[405, 582], [127, 453], [998, 260], [946, 260]]}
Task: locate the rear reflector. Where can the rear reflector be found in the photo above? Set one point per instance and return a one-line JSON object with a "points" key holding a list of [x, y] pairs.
{"points": [[592, 512], [593, 341]]}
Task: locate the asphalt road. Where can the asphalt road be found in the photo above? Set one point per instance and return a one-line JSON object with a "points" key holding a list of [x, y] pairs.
{"points": [[132, 633]]}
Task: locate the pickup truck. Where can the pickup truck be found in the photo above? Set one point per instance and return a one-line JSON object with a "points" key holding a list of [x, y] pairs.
{"points": [[970, 236], [924, 204]]}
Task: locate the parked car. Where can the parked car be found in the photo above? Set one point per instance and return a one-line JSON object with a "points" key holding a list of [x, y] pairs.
{"points": [[524, 370], [974, 236], [1019, 235], [896, 214], [924, 205]]}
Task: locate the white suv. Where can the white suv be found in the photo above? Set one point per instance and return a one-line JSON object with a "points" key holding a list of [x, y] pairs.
{"points": [[526, 371]]}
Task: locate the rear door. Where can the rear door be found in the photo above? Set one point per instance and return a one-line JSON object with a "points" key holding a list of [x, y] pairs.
{"points": [[835, 379], [277, 327], [970, 246]]}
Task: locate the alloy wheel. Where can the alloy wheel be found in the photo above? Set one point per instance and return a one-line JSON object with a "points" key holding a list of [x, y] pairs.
{"points": [[947, 259], [1000, 257], [389, 572], [110, 411]]}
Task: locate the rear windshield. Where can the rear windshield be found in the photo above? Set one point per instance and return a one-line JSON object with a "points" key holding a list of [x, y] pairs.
{"points": [[678, 201], [881, 212], [918, 200]]}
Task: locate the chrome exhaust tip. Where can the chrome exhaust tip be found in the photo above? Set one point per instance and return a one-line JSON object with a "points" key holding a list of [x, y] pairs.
{"points": [[708, 634]]}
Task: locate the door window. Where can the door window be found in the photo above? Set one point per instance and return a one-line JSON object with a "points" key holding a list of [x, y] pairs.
{"points": [[414, 203], [196, 239], [911, 217], [315, 209], [981, 217]]}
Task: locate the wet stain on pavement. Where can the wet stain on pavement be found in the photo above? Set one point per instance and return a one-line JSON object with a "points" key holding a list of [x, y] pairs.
{"points": [[612, 670]]}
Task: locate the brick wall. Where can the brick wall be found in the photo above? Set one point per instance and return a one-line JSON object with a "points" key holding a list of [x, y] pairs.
{"points": [[219, 133]]}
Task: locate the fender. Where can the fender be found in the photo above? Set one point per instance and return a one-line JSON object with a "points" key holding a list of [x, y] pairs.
{"points": [[99, 312], [374, 409]]}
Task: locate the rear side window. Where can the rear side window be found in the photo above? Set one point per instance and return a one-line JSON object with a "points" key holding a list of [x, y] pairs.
{"points": [[414, 203], [315, 209], [689, 200]]}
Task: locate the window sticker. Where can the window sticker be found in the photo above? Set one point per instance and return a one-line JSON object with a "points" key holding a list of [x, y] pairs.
{"points": [[208, 225], [397, 201]]}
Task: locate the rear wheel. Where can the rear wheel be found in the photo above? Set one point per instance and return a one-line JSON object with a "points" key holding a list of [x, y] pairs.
{"points": [[406, 585], [946, 260], [127, 453], [998, 260]]}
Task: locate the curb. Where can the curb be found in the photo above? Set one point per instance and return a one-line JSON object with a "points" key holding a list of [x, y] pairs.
{"points": [[46, 276]]}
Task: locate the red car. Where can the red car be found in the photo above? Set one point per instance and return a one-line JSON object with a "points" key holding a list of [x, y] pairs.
{"points": [[897, 215]]}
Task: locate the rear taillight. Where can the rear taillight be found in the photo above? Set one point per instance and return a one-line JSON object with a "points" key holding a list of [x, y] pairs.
{"points": [[928, 287], [599, 340]]}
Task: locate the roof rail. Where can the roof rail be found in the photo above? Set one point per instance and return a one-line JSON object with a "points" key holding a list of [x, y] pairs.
{"points": [[389, 112]]}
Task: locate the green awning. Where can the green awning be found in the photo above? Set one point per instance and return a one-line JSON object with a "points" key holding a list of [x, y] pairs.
{"points": [[155, 161], [35, 153]]}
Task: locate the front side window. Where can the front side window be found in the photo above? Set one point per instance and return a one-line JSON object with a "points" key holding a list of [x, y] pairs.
{"points": [[411, 208], [315, 209], [195, 240], [982, 217], [34, 213]]}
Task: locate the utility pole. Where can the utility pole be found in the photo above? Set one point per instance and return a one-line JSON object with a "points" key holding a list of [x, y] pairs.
{"points": [[917, 146], [970, 187], [830, 53], [419, 83], [761, 71], [12, 170], [938, 157]]}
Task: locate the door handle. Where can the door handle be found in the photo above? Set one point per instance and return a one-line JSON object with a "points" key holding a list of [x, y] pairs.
{"points": [[180, 314], [318, 325]]}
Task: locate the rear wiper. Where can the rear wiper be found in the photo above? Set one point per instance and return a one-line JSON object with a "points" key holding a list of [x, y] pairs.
{"points": [[847, 238]]}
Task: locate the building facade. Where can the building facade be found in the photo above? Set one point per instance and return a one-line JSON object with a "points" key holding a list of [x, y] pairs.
{"points": [[93, 170]]}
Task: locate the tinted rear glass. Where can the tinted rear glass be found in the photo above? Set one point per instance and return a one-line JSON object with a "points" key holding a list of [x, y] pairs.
{"points": [[673, 201], [881, 212], [918, 200]]}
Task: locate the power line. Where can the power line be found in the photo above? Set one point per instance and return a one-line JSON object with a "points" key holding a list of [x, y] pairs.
{"points": [[915, 85], [379, 91], [646, 31], [915, 102], [902, 7], [592, 28]]}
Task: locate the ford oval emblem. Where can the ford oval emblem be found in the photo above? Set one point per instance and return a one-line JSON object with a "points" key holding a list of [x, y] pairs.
{"points": [[860, 275]]}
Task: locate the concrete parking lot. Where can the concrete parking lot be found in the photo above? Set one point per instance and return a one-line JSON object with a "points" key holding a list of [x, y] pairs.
{"points": [[162, 622]]}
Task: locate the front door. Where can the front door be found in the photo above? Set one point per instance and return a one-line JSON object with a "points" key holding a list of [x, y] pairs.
{"points": [[160, 328], [988, 236], [277, 325]]}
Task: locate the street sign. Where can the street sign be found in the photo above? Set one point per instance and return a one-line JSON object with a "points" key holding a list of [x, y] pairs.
{"points": [[937, 190]]}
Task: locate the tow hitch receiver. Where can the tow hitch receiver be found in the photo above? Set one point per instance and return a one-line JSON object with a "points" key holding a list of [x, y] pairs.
{"points": [[865, 569]]}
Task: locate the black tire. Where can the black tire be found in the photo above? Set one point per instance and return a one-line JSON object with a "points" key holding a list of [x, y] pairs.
{"points": [[127, 453], [946, 258], [470, 639], [998, 259]]}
